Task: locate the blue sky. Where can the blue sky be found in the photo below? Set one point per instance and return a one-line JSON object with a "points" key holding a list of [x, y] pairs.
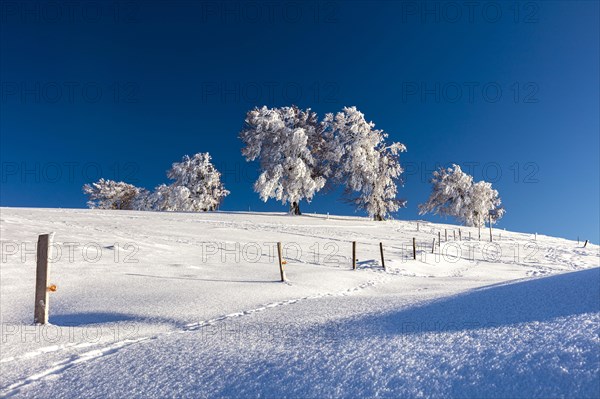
{"points": [[507, 90]]}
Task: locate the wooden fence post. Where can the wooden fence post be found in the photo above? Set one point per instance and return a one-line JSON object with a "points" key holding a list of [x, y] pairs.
{"points": [[469, 236], [459, 235], [40, 313], [417, 226], [454, 231], [433, 245], [586, 241], [381, 250], [414, 249], [439, 238], [353, 255], [491, 227], [446, 235], [281, 271]]}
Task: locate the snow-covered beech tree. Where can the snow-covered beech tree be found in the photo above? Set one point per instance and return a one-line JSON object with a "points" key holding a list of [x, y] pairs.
{"points": [[484, 202], [142, 201], [449, 194], [110, 194], [363, 163], [157, 200], [197, 186], [454, 194], [287, 142], [498, 212], [168, 198]]}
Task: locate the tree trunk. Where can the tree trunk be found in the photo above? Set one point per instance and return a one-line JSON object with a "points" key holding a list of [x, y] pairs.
{"points": [[378, 218], [295, 208]]}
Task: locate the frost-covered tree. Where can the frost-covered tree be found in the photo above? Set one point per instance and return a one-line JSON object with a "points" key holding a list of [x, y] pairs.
{"points": [[168, 198], [363, 163], [287, 142], [197, 186], [157, 200], [142, 201], [449, 194], [454, 194], [484, 202], [110, 194]]}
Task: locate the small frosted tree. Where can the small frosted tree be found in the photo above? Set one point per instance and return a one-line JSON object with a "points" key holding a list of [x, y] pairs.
{"points": [[168, 198], [161, 199], [454, 194], [484, 204], [110, 194], [363, 163], [284, 141], [142, 201], [449, 194], [197, 186]]}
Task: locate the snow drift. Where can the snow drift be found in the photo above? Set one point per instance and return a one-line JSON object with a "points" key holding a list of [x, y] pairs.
{"points": [[176, 304]]}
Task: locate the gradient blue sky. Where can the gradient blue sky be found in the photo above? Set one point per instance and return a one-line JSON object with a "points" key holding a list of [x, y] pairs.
{"points": [[90, 90]]}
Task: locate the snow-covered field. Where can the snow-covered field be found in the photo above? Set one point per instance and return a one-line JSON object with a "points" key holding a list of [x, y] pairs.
{"points": [[190, 305]]}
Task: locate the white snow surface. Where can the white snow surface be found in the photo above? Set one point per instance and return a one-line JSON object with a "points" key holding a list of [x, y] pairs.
{"points": [[182, 318]]}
